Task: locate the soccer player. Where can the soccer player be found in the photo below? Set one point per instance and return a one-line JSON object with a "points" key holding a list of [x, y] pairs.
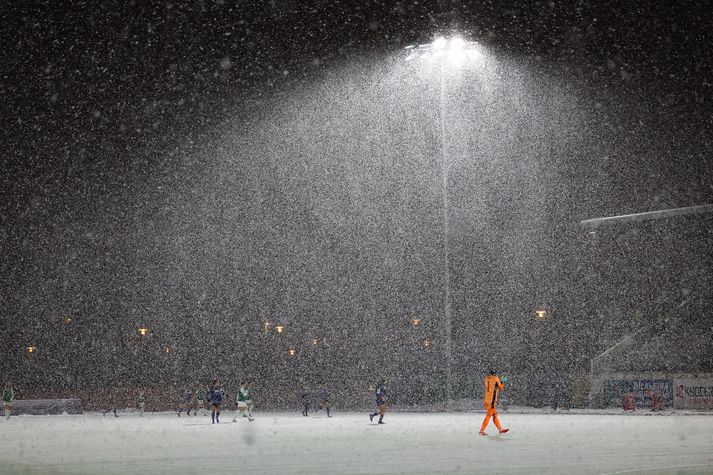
{"points": [[8, 395], [493, 385], [324, 401], [201, 399], [186, 401], [241, 401], [112, 404], [304, 397], [141, 403], [249, 400], [381, 399], [215, 396]]}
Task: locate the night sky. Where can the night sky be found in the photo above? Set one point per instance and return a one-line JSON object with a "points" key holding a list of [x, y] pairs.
{"points": [[136, 79], [111, 110]]}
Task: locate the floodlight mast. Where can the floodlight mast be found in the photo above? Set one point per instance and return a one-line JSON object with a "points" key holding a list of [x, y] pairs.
{"points": [[454, 50]]}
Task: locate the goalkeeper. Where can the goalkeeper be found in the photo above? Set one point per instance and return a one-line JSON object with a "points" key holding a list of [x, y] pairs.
{"points": [[493, 385]]}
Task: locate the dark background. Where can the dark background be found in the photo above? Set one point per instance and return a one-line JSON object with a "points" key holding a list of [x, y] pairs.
{"points": [[110, 108]]}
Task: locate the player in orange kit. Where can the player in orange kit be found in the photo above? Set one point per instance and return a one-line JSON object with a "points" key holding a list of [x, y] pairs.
{"points": [[493, 385]]}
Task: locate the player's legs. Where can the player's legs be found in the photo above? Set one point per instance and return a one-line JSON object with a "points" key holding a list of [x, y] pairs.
{"points": [[382, 412], [486, 421], [496, 421], [249, 405]]}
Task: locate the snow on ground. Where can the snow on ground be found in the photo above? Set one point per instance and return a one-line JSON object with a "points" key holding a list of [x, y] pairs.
{"points": [[348, 443]]}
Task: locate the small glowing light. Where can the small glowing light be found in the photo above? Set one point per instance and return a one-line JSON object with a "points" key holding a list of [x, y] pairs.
{"points": [[31, 349], [315, 341], [540, 313], [143, 331], [68, 320], [291, 351], [440, 43], [427, 343], [279, 328], [415, 322], [266, 327], [168, 349]]}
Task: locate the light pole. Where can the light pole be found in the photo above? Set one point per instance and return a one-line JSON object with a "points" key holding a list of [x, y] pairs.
{"points": [[454, 51]]}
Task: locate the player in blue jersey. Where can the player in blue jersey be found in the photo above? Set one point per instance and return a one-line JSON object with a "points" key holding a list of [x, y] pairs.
{"points": [[324, 400], [381, 399], [304, 398], [186, 401], [215, 396], [112, 404]]}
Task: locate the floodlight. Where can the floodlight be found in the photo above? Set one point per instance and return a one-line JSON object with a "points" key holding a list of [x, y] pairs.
{"points": [[456, 44], [440, 43]]}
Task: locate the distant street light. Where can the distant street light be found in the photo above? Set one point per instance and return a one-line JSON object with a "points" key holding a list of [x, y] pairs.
{"points": [[31, 349], [143, 331], [541, 313], [415, 322], [454, 51], [291, 351], [279, 329]]}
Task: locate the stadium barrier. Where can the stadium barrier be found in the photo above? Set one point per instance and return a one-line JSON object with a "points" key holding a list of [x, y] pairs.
{"points": [[40, 407], [655, 391], [629, 402]]}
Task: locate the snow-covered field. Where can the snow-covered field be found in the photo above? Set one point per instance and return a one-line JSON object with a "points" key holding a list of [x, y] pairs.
{"points": [[349, 443]]}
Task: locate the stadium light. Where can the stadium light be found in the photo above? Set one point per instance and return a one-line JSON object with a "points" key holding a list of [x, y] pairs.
{"points": [[444, 53], [455, 50], [439, 43]]}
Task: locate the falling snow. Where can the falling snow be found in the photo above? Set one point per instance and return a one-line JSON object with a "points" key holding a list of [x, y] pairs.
{"points": [[318, 196]]}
